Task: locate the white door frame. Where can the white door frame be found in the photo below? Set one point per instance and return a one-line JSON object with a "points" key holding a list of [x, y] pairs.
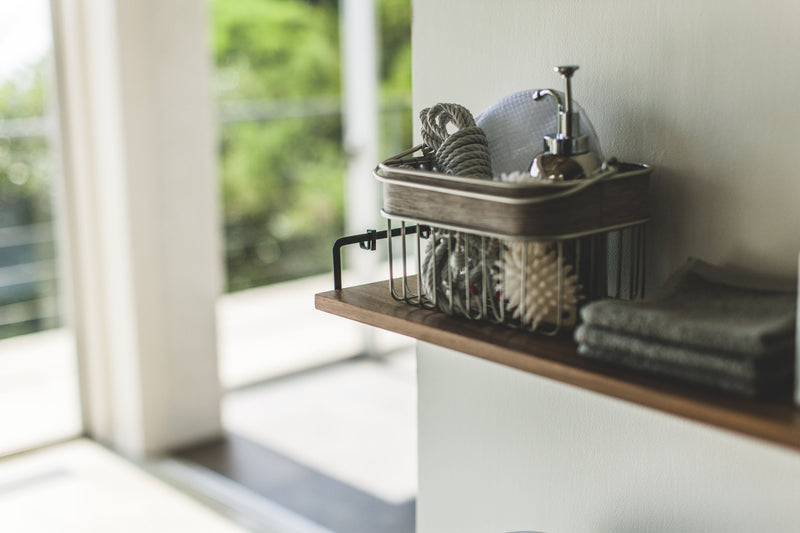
{"points": [[142, 213]]}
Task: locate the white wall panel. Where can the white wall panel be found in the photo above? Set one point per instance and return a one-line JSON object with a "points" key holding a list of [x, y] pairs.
{"points": [[502, 450]]}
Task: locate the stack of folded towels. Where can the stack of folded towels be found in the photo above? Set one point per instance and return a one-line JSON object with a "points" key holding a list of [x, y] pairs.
{"points": [[706, 325]]}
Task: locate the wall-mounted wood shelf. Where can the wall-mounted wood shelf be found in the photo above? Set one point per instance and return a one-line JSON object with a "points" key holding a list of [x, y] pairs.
{"points": [[776, 420]]}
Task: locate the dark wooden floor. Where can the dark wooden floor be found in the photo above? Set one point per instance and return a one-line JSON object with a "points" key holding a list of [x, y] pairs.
{"points": [[320, 498]]}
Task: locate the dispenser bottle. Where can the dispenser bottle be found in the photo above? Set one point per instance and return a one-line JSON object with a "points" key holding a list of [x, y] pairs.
{"points": [[567, 156]]}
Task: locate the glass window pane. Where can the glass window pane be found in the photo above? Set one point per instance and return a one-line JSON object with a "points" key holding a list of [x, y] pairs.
{"points": [[282, 162], [284, 171], [38, 379]]}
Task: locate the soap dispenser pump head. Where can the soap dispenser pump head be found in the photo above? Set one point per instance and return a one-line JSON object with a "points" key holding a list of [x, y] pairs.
{"points": [[568, 140]]}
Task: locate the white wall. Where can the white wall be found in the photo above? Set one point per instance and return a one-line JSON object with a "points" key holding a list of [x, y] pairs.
{"points": [[705, 92], [502, 450]]}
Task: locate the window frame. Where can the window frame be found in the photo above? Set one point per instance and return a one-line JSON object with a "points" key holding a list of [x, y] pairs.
{"points": [[141, 210]]}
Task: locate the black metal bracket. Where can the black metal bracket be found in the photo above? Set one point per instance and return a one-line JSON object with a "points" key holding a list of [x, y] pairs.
{"points": [[372, 243], [367, 241]]}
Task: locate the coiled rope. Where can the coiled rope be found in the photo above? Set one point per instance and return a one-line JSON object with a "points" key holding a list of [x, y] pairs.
{"points": [[464, 152], [453, 267]]}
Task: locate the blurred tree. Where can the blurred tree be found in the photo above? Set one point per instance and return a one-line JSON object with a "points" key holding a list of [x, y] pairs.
{"points": [[396, 121], [394, 25], [24, 160], [282, 163], [281, 178], [28, 298]]}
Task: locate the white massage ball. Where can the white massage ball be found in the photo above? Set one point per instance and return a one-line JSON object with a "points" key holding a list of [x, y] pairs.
{"points": [[539, 290]]}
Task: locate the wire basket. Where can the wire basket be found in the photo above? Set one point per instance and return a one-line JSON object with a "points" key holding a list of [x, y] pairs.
{"points": [[525, 255]]}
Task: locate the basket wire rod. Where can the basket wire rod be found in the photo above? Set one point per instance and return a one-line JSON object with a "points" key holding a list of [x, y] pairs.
{"points": [[391, 259], [410, 297], [469, 283], [631, 252], [490, 286], [399, 157], [450, 273], [639, 262], [484, 279], [523, 300], [419, 270], [643, 267], [403, 254], [467, 303], [633, 276], [467, 278], [434, 288], [467, 311], [479, 291], [578, 250], [620, 253], [554, 328], [472, 287], [443, 280], [592, 266], [501, 298], [395, 295], [560, 286]]}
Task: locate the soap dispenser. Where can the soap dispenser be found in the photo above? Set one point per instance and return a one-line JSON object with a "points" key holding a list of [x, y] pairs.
{"points": [[567, 155]]}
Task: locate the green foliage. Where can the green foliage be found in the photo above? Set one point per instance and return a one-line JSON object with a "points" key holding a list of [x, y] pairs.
{"points": [[28, 296], [25, 165], [282, 179], [23, 97], [275, 49], [394, 26]]}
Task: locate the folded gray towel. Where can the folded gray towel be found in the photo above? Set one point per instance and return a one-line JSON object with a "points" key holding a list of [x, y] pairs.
{"points": [[703, 306], [767, 366], [743, 387]]}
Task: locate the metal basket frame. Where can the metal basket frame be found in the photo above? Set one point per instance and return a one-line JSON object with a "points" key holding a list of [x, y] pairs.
{"points": [[624, 279]]}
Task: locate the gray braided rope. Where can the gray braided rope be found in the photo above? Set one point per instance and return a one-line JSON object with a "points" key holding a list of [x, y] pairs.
{"points": [[465, 152], [461, 259]]}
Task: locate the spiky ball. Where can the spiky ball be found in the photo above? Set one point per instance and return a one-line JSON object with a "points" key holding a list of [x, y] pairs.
{"points": [[533, 295]]}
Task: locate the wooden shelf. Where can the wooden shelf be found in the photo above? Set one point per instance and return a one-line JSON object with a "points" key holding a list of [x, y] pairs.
{"points": [[775, 420]]}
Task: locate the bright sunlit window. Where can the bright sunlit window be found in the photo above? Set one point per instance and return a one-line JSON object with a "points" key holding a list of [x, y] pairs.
{"points": [[302, 385], [38, 381], [283, 169], [282, 156]]}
